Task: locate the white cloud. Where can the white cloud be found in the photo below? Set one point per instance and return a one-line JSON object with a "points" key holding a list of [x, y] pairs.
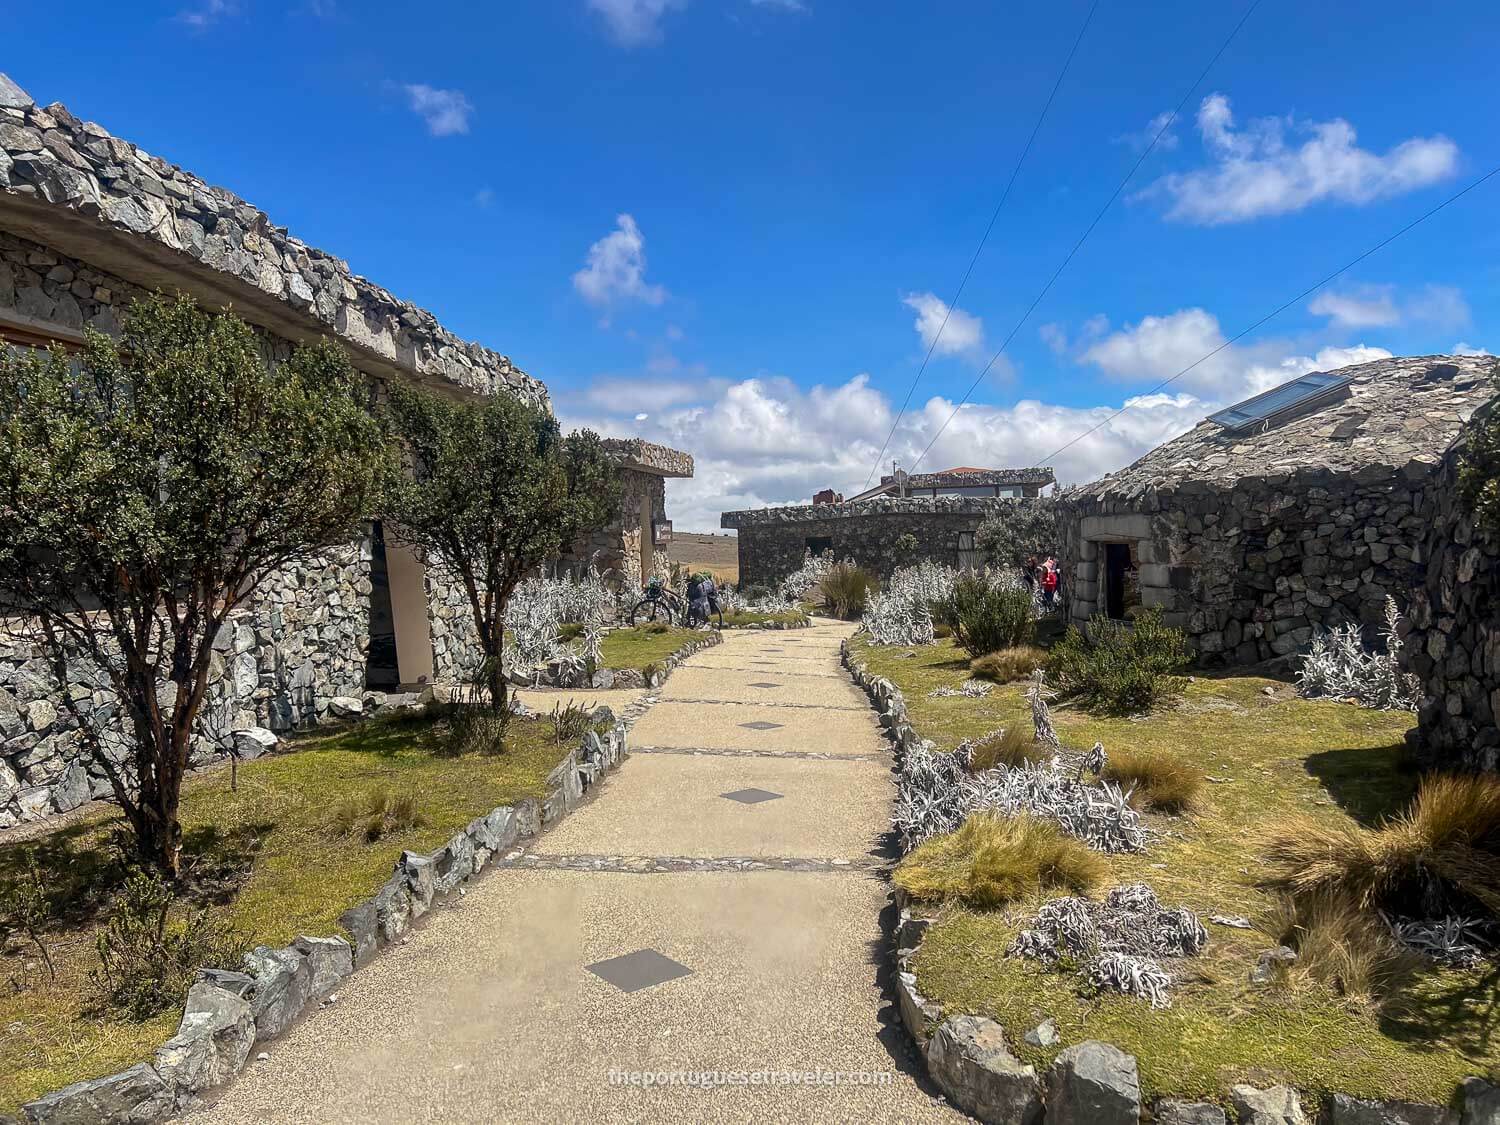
{"points": [[634, 23], [1369, 306], [1161, 347], [1165, 141], [1254, 172], [615, 269], [1462, 348], [445, 112], [962, 335], [1377, 306], [207, 13]]}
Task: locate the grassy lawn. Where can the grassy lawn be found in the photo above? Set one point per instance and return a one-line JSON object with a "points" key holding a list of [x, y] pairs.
{"points": [[742, 619], [641, 645], [1274, 754], [263, 857]]}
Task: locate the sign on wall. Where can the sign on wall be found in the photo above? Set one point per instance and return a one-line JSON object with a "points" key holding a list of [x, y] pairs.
{"points": [[661, 532]]}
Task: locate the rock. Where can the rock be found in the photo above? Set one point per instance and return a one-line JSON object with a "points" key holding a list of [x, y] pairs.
{"points": [[1481, 1103], [41, 714], [603, 680], [331, 959], [1275, 1106], [251, 742], [528, 817], [502, 826], [1357, 1111], [418, 872], [230, 981], [1093, 1084], [132, 1097], [1270, 962], [346, 707], [1171, 1112], [12, 96], [213, 1041], [393, 909], [363, 924], [564, 781], [73, 788], [969, 1060], [1043, 1034], [452, 863], [283, 986], [629, 678]]}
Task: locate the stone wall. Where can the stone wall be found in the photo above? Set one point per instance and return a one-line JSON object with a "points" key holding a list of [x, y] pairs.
{"points": [[1250, 571], [773, 541], [1453, 635], [74, 180], [618, 545]]}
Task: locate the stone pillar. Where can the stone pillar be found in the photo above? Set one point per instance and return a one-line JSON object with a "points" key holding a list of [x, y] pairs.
{"points": [[648, 543]]}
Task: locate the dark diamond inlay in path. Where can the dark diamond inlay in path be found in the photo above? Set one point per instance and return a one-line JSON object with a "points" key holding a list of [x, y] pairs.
{"points": [[761, 724], [641, 969], [751, 796], [764, 683]]}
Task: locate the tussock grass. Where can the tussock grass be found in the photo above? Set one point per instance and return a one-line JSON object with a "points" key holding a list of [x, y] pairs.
{"points": [[993, 860], [375, 814], [1014, 746], [1444, 849], [1161, 781], [1008, 664], [845, 589], [1346, 949]]}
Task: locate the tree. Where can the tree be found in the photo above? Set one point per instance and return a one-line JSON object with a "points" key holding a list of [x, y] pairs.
{"points": [[1019, 529], [493, 491], [147, 488]]}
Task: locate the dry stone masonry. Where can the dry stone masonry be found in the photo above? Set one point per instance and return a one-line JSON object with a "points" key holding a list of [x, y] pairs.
{"points": [[1250, 541]]}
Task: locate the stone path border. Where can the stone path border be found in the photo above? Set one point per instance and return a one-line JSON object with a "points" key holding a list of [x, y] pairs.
{"points": [[227, 1013], [1090, 1083]]}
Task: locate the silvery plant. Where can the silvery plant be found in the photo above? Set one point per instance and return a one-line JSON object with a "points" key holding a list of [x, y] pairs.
{"points": [[901, 614], [937, 792], [805, 578], [538, 608], [1339, 666], [1120, 942]]}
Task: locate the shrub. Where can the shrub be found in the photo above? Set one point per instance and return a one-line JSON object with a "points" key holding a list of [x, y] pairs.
{"points": [[1479, 470], [475, 729], [655, 628], [1007, 665], [1118, 668], [26, 908], [1160, 780], [901, 614], [1018, 530], [805, 579], [147, 959], [845, 589], [992, 860], [987, 616], [569, 723], [1440, 856], [1338, 666], [1010, 747]]}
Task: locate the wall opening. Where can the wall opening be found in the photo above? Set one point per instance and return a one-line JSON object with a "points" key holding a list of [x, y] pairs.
{"points": [[970, 557], [817, 544], [1122, 584], [400, 652]]}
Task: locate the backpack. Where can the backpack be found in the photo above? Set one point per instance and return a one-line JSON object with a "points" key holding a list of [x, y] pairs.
{"points": [[1049, 581]]}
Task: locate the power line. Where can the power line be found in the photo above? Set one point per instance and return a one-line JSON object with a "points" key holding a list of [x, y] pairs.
{"points": [[1311, 289], [1171, 119], [1068, 62]]}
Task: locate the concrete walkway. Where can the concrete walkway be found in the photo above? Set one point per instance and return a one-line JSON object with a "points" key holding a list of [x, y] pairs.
{"points": [[502, 1007]]}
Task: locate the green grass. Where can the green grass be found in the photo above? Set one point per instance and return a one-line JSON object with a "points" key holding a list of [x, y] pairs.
{"points": [[744, 619], [1274, 755], [264, 857], [641, 645]]}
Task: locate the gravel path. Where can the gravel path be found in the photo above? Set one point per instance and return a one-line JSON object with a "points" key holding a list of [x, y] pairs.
{"points": [[763, 913]]}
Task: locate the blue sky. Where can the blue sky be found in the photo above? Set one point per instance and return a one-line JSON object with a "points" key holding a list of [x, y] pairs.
{"points": [[732, 225]]}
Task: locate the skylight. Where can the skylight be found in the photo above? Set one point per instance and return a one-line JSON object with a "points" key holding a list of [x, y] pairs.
{"points": [[1302, 394]]}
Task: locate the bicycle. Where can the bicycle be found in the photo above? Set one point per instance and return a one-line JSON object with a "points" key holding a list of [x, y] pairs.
{"points": [[658, 603]]}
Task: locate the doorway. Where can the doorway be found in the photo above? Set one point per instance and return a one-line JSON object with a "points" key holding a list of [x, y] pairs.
{"points": [[1122, 589], [400, 653]]}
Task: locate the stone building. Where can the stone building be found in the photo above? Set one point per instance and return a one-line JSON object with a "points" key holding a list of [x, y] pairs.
{"points": [[88, 222], [1301, 508], [642, 514], [961, 481], [1453, 628]]}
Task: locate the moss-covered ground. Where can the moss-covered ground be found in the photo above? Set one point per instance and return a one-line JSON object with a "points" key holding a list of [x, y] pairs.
{"points": [[642, 645], [1266, 754], [263, 857]]}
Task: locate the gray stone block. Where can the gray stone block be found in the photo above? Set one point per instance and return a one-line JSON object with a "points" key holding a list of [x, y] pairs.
{"points": [[1172, 1112], [393, 909], [1093, 1083], [969, 1060], [213, 1041], [363, 924], [1344, 1110], [283, 986], [137, 1096], [331, 959], [1481, 1103], [452, 863], [1277, 1105], [418, 872]]}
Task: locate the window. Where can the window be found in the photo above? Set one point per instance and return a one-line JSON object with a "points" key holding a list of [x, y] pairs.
{"points": [[1300, 395]]}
